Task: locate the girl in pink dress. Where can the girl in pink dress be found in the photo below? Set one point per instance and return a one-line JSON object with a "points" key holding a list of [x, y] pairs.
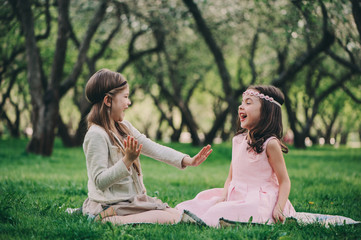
{"points": [[258, 185]]}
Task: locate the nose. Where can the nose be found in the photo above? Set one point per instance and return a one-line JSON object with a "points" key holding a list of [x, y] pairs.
{"points": [[240, 107]]}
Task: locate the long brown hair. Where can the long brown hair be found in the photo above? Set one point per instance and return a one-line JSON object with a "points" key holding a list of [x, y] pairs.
{"points": [[105, 83], [270, 123]]}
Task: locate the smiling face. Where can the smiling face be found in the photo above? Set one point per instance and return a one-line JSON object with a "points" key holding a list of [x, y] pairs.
{"points": [[119, 103], [249, 112]]}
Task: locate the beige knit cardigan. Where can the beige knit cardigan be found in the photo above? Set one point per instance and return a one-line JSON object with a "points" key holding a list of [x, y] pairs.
{"points": [[109, 180]]}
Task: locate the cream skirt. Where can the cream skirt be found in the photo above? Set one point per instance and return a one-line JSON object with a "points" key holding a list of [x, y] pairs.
{"points": [[137, 204]]}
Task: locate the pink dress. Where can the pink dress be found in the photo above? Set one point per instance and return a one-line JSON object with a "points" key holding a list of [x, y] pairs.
{"points": [[253, 191]]}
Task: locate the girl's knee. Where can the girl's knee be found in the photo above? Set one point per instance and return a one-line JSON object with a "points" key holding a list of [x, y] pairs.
{"points": [[173, 211], [175, 215]]}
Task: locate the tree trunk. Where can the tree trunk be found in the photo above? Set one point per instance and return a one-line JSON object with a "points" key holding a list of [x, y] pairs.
{"points": [[217, 124], [299, 140], [356, 9], [328, 135], [159, 134], [344, 136], [217, 53], [64, 134], [69, 140], [45, 96], [45, 103], [43, 113], [44, 125], [176, 135], [189, 121], [76, 140], [13, 127], [315, 139]]}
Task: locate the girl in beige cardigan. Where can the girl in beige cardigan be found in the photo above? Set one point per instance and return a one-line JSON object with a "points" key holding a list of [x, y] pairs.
{"points": [[112, 146]]}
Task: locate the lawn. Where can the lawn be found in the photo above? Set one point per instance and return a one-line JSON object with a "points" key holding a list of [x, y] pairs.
{"points": [[35, 191]]}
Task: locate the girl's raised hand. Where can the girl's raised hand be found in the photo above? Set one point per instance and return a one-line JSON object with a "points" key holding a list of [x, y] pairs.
{"points": [[199, 158], [131, 149]]}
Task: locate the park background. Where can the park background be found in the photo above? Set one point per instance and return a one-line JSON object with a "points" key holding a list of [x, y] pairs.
{"points": [[187, 63]]}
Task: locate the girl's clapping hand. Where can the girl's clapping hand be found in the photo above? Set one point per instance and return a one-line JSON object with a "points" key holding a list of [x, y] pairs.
{"points": [[131, 149]]}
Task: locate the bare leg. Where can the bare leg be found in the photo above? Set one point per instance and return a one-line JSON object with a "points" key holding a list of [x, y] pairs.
{"points": [[168, 215]]}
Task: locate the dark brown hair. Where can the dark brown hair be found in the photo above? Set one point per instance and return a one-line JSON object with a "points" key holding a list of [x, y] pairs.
{"points": [[270, 123], [105, 83]]}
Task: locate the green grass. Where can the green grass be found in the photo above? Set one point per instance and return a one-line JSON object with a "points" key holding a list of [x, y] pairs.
{"points": [[35, 191]]}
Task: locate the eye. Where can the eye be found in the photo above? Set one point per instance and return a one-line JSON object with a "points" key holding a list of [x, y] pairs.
{"points": [[247, 101]]}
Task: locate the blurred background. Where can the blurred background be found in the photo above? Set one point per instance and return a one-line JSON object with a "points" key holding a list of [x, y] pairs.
{"points": [[187, 63]]}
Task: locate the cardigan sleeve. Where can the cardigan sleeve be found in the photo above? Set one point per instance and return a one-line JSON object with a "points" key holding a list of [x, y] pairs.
{"points": [[155, 150], [97, 158]]}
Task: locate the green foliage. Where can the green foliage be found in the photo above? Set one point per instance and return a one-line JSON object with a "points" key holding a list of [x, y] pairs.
{"points": [[35, 191], [285, 29]]}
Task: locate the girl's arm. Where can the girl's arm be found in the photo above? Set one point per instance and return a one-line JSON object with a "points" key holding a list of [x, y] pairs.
{"points": [[226, 185], [166, 154], [277, 162]]}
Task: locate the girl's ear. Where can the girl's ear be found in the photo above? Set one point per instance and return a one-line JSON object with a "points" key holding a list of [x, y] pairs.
{"points": [[107, 101]]}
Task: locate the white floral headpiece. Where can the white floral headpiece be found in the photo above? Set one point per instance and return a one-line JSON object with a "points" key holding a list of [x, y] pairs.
{"points": [[261, 95]]}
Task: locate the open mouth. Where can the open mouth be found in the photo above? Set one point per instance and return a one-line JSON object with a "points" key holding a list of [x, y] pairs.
{"points": [[242, 116]]}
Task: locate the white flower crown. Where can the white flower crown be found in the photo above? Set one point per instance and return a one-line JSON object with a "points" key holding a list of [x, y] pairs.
{"points": [[261, 95]]}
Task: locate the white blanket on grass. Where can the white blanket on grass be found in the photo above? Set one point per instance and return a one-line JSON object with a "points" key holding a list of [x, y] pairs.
{"points": [[324, 219], [301, 217]]}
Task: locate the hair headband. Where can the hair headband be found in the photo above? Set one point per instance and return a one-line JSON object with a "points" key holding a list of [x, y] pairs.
{"points": [[122, 84], [104, 94], [261, 95]]}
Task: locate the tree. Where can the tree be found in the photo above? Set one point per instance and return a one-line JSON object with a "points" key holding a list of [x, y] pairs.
{"points": [[315, 94], [169, 73], [45, 95], [194, 59], [122, 17]]}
